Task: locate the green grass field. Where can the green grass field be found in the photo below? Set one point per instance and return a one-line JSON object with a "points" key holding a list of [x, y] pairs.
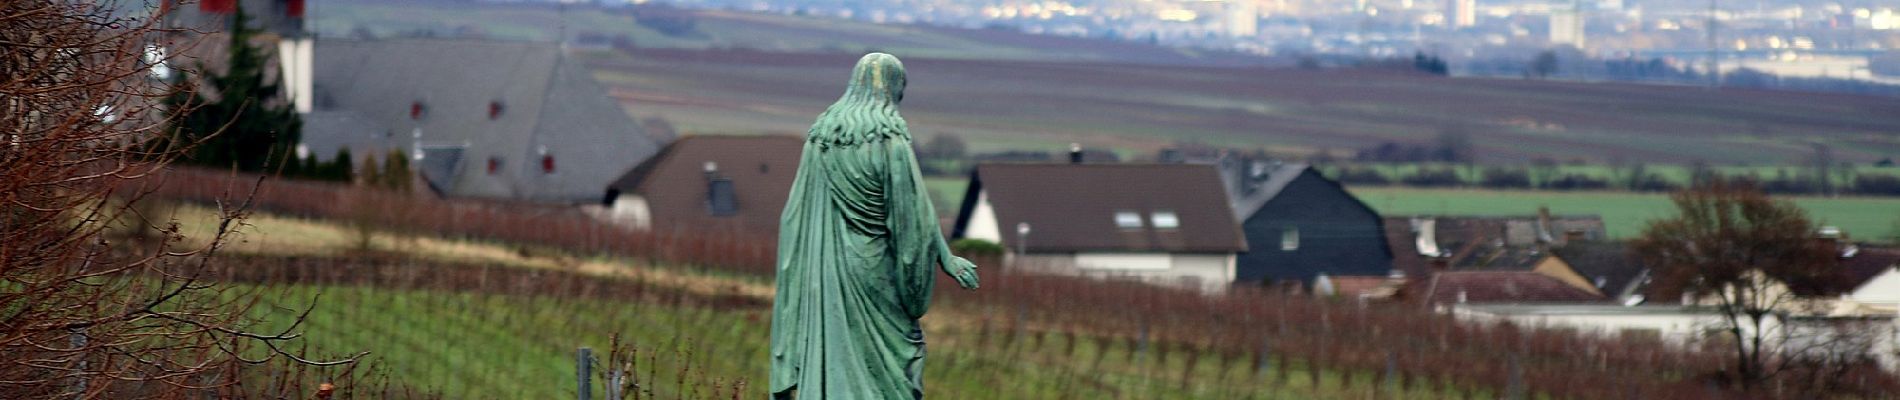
{"points": [[470, 345], [1624, 213], [1674, 173]]}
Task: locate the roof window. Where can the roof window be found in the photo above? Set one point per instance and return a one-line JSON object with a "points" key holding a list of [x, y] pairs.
{"points": [[1128, 219], [1165, 220]]}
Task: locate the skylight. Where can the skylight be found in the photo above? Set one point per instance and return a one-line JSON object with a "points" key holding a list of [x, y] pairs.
{"points": [[1128, 219], [1165, 220]]}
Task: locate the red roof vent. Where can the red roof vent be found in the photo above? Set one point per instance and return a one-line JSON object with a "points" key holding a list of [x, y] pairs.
{"points": [[547, 163], [494, 109], [415, 110]]}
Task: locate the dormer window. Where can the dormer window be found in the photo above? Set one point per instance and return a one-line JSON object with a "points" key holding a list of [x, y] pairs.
{"points": [[1128, 220], [1165, 220]]}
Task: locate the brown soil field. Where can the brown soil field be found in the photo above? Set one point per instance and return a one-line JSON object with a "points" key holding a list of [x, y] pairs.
{"points": [[1037, 105]]}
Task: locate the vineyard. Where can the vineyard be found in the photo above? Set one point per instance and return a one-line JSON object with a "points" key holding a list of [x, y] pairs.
{"points": [[479, 330]]}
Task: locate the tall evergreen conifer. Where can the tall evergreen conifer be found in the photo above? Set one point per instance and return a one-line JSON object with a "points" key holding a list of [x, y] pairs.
{"points": [[245, 125]]}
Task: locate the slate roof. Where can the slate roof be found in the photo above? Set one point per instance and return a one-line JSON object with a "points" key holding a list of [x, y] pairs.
{"points": [[1481, 242], [1072, 207], [1610, 263], [1251, 184], [507, 102], [674, 183], [1502, 287], [337, 129], [1869, 262], [1501, 258]]}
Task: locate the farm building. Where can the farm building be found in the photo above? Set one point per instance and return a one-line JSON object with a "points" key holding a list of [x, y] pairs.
{"points": [[1160, 223], [727, 183], [483, 119], [1512, 287], [1874, 274], [1421, 245], [1300, 225], [1608, 267]]}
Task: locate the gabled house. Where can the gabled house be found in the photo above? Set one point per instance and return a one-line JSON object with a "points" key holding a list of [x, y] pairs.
{"points": [[1300, 225], [482, 119], [1160, 223], [1514, 287], [719, 183], [1874, 274], [1608, 267], [1421, 245]]}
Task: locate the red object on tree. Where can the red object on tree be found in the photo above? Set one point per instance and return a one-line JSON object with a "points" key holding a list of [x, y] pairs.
{"points": [[218, 6], [294, 9]]}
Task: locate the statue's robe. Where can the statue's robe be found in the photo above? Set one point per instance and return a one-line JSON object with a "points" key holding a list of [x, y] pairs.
{"points": [[857, 246]]}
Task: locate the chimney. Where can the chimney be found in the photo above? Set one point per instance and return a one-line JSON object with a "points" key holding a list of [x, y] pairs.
{"points": [[1573, 235], [1834, 240], [1543, 228], [1075, 153]]}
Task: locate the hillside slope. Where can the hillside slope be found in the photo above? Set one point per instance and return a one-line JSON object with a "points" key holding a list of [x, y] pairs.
{"points": [[1002, 104]]}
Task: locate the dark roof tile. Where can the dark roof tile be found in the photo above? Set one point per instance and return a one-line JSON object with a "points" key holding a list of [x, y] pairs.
{"points": [[1072, 207]]}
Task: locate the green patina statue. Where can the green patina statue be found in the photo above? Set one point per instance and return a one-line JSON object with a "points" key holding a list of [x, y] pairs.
{"points": [[857, 243]]}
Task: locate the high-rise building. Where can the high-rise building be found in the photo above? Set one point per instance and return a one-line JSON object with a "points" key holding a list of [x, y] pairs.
{"points": [[1461, 13], [1566, 25]]}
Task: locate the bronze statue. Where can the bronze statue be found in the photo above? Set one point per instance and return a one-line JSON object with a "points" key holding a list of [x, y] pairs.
{"points": [[857, 244]]}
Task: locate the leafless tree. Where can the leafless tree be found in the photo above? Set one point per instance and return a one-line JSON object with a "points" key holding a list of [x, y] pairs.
{"points": [[1749, 257], [80, 112]]}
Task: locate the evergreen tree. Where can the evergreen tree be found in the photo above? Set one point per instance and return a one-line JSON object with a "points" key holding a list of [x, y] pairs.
{"points": [[341, 169], [245, 126], [370, 175], [396, 172]]}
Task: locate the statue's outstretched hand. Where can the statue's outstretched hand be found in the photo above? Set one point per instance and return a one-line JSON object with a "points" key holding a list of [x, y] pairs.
{"points": [[961, 269]]}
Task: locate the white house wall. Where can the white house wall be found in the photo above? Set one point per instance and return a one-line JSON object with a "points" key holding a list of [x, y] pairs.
{"points": [[1883, 290], [1124, 261], [631, 211], [983, 223], [1210, 273]]}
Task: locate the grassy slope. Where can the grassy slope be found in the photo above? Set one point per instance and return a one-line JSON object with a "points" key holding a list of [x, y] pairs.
{"points": [[1678, 174], [501, 346], [714, 29], [1867, 218], [479, 345], [1006, 90], [1005, 104], [1624, 213]]}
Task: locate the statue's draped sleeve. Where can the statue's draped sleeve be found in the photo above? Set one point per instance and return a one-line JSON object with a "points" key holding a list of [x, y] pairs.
{"points": [[915, 235]]}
